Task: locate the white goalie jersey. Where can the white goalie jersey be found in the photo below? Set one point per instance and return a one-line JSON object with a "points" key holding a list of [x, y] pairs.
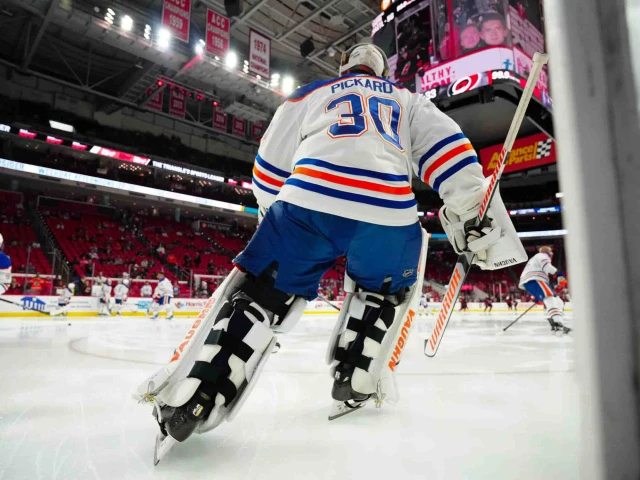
{"points": [[388, 133]]}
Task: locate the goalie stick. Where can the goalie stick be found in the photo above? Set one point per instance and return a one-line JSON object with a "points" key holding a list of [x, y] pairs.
{"points": [[465, 260]]}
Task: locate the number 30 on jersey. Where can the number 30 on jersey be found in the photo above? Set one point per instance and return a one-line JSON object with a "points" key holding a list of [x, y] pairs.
{"points": [[385, 114]]}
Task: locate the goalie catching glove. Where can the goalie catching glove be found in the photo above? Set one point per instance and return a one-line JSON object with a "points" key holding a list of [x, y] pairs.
{"points": [[494, 242]]}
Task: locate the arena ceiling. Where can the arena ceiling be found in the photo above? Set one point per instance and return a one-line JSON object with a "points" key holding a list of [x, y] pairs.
{"points": [[70, 41]]}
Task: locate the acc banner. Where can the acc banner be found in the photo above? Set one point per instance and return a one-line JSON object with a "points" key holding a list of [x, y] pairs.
{"points": [[239, 126], [528, 152], [217, 34], [176, 17], [257, 129], [259, 54], [155, 100], [220, 119], [177, 103]]}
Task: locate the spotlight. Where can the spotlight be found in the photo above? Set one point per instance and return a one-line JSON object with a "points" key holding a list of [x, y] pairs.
{"points": [[127, 23], [164, 38], [287, 85], [231, 60], [199, 49]]}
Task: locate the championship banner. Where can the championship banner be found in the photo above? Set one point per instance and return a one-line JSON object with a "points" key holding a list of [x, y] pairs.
{"points": [[176, 17], [259, 54], [239, 126], [155, 100], [177, 103], [220, 119], [528, 152], [257, 129], [217, 34]]}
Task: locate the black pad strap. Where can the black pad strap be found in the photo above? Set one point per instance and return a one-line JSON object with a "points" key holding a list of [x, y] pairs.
{"points": [[208, 372], [370, 331], [230, 343], [356, 359], [266, 296]]}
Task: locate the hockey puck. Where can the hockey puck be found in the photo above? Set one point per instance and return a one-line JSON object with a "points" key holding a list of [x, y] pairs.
{"points": [[69, 324]]}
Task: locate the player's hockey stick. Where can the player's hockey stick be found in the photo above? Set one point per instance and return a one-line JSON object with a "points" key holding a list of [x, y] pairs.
{"points": [[321, 297], [25, 308], [465, 260], [522, 315]]}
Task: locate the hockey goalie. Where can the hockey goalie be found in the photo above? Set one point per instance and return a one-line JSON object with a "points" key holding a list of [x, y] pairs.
{"points": [[333, 178]]}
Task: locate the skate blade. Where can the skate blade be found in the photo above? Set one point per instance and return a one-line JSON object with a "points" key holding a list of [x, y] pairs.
{"points": [[340, 409], [163, 445]]}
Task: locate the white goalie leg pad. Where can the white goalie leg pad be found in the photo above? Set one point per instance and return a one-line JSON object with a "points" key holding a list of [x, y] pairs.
{"points": [[341, 324], [384, 340], [554, 307], [185, 354], [298, 305]]}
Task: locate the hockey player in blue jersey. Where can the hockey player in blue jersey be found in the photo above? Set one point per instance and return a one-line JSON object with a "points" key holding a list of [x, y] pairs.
{"points": [[5, 269], [332, 178]]}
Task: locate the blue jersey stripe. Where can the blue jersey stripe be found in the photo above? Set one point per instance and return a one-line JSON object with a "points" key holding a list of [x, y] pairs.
{"points": [[353, 171], [5, 261], [267, 166], [353, 197], [453, 170], [262, 187], [435, 148]]}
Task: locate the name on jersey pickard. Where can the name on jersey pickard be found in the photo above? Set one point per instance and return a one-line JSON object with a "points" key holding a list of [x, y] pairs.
{"points": [[504, 263], [375, 85]]}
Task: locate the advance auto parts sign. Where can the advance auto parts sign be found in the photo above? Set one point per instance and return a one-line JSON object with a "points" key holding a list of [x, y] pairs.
{"points": [[527, 152]]}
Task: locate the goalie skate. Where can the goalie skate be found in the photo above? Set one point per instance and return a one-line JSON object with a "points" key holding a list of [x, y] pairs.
{"points": [[340, 409]]}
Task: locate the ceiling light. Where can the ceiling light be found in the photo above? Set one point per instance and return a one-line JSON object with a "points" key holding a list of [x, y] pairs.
{"points": [[127, 23], [287, 85], [231, 60], [164, 38]]}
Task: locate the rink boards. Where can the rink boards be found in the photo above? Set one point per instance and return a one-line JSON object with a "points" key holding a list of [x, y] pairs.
{"points": [[31, 306]]}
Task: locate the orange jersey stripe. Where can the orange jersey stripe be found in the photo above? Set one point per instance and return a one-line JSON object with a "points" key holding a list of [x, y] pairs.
{"points": [[545, 289], [350, 182], [446, 157], [266, 178]]}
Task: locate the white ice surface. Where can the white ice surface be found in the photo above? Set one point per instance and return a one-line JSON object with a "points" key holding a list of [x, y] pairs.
{"points": [[490, 405]]}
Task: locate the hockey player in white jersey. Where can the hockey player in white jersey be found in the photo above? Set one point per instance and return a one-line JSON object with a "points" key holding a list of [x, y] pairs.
{"points": [[5, 269], [120, 295], [332, 178], [162, 297], [535, 280], [104, 304], [64, 300]]}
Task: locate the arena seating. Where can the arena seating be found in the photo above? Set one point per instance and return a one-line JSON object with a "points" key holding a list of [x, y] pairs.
{"points": [[19, 236], [82, 236]]}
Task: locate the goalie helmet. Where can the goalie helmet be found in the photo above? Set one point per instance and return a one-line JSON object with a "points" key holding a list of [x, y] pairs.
{"points": [[366, 55]]}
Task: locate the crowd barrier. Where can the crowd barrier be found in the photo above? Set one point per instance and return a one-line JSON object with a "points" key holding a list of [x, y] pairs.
{"points": [[31, 306]]}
